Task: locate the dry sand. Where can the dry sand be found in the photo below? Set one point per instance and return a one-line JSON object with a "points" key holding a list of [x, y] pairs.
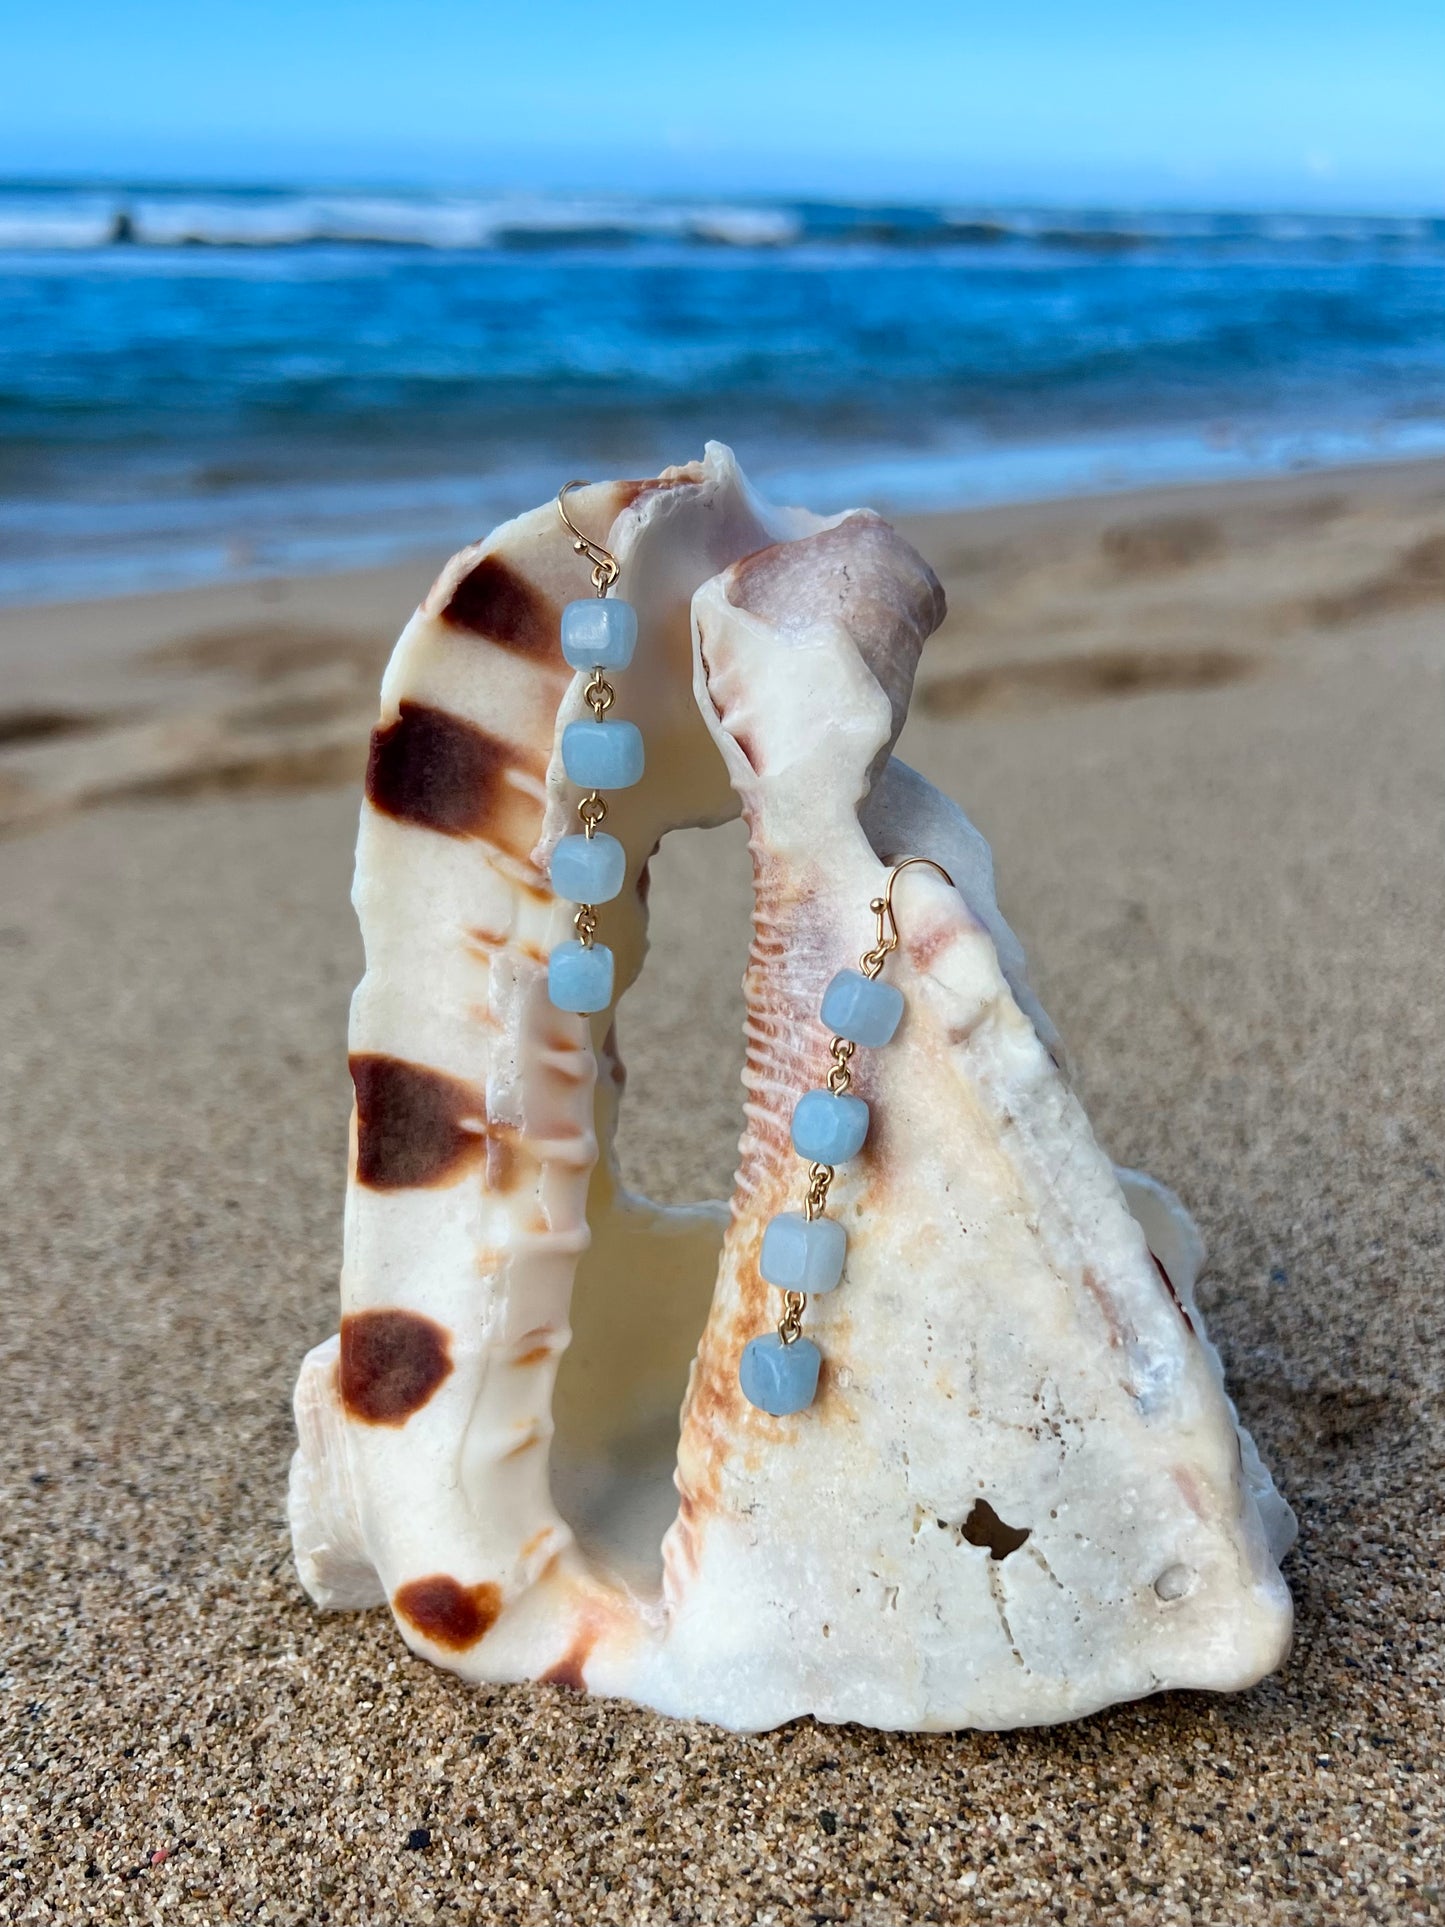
{"points": [[1204, 732]]}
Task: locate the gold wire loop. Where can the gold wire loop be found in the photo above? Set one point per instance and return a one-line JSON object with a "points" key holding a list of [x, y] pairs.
{"points": [[600, 695], [790, 1325], [840, 1077], [605, 570], [886, 940], [584, 922], [820, 1176]]}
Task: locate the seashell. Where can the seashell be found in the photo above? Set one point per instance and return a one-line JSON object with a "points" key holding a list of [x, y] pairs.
{"points": [[1022, 1493]]}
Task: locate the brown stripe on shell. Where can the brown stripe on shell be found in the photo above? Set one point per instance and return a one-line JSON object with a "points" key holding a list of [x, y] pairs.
{"points": [[591, 1622], [446, 1612], [440, 772], [504, 1159], [536, 1346], [418, 1128], [494, 600], [1188, 1485], [1117, 1329], [683, 1544], [925, 946], [392, 1361], [415, 1126], [569, 1668], [533, 1435]]}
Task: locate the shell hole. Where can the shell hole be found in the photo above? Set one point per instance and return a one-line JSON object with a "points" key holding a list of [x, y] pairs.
{"points": [[640, 1300], [1174, 1582], [682, 1112], [983, 1527]]}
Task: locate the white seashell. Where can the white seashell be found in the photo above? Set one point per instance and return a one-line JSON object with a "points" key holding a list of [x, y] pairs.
{"points": [[1022, 1494]]}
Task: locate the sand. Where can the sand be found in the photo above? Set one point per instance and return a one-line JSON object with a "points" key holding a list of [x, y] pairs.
{"points": [[1204, 731]]}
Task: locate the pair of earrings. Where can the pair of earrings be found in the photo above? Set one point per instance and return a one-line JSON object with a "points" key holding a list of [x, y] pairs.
{"points": [[803, 1252]]}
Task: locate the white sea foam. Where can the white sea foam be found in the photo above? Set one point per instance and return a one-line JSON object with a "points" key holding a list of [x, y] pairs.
{"points": [[746, 227], [43, 221], [49, 221]]}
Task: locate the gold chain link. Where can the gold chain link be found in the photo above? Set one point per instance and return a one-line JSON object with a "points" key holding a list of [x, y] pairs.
{"points": [[600, 695], [591, 808], [820, 1176], [790, 1325], [840, 1077]]}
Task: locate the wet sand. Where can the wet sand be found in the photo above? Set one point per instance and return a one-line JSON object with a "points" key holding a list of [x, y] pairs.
{"points": [[1204, 732]]}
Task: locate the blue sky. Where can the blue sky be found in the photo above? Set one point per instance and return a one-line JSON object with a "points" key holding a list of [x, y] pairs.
{"points": [[1214, 101]]}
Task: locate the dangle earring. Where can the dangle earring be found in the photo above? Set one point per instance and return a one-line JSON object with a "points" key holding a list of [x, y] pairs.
{"points": [[803, 1251], [589, 868]]}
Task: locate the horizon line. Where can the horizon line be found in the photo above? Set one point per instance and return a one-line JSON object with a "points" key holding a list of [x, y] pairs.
{"points": [[87, 181]]}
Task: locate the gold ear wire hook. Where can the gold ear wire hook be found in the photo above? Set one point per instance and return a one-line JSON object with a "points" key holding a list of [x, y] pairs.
{"points": [[886, 940], [605, 570]]}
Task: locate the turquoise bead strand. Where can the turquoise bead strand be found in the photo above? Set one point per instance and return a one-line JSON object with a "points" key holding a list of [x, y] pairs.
{"points": [[590, 867], [595, 754], [803, 1253]]}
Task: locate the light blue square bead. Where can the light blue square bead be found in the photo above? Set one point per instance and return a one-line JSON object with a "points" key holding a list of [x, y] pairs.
{"points": [[778, 1378], [862, 1009], [603, 756], [588, 869], [579, 977], [801, 1256], [829, 1128], [598, 634]]}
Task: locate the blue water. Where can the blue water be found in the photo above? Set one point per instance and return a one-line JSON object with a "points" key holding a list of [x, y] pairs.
{"points": [[199, 385]]}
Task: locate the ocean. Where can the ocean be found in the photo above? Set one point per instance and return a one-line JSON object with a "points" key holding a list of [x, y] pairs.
{"points": [[199, 384]]}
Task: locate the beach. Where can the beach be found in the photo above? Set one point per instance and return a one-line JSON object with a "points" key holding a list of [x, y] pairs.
{"points": [[1202, 728]]}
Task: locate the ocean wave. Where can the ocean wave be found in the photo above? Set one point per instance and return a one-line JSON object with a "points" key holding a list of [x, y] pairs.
{"points": [[43, 222], [34, 220]]}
